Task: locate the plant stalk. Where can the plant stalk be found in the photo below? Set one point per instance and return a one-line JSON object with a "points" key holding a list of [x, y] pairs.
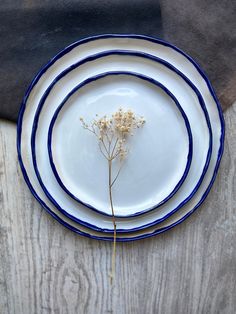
{"points": [[114, 222]]}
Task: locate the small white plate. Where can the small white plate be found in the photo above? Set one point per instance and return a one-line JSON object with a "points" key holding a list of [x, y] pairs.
{"points": [[82, 49], [186, 93], [150, 175]]}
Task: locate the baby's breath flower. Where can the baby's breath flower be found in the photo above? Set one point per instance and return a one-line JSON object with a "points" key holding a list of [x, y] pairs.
{"points": [[112, 133]]}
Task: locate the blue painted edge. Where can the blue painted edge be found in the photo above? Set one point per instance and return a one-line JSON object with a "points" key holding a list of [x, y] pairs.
{"points": [[53, 60], [142, 77], [95, 57]]}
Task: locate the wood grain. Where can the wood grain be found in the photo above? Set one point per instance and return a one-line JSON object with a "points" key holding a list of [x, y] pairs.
{"points": [[45, 268]]}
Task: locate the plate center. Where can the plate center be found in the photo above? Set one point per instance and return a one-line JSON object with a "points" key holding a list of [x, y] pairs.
{"points": [[158, 152]]}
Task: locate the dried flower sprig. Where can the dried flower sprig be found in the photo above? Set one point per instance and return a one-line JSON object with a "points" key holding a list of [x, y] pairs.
{"points": [[112, 133]]}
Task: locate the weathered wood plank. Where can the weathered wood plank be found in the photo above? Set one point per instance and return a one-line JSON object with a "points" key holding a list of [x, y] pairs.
{"points": [[45, 268]]}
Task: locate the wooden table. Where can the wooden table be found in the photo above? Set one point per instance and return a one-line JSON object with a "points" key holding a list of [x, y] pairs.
{"points": [[45, 268]]}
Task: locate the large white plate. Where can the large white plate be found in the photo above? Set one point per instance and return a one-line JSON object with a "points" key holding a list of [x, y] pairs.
{"points": [[80, 50], [186, 93], [146, 180]]}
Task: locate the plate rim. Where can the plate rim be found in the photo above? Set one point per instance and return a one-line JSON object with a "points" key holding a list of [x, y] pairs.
{"points": [[141, 77], [51, 62]]}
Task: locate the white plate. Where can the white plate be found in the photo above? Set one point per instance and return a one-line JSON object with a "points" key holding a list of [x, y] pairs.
{"points": [[89, 46], [145, 64], [147, 180]]}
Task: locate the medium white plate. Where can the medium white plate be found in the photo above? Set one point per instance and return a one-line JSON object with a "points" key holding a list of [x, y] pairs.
{"points": [[150, 175], [185, 92], [89, 46]]}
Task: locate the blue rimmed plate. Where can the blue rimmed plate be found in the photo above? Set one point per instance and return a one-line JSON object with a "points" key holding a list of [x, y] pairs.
{"points": [[131, 42], [159, 157], [186, 93]]}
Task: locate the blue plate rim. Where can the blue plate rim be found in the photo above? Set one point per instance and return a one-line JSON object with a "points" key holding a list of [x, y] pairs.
{"points": [[141, 77], [126, 36], [95, 57]]}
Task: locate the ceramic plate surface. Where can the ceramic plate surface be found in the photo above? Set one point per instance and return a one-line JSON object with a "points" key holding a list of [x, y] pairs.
{"points": [[186, 93], [147, 180], [93, 45]]}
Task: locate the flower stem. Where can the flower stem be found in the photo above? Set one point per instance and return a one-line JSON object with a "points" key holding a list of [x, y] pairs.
{"points": [[112, 275]]}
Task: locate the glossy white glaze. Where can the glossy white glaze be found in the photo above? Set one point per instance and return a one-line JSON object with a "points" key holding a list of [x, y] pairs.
{"points": [[182, 91], [158, 152], [79, 52]]}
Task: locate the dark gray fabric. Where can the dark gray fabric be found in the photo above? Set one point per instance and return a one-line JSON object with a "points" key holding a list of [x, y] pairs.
{"points": [[206, 29], [31, 32]]}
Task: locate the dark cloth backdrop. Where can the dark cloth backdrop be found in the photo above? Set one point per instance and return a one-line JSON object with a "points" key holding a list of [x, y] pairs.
{"points": [[31, 32]]}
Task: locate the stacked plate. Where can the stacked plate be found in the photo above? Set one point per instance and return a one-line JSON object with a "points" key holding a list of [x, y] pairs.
{"points": [[172, 162]]}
